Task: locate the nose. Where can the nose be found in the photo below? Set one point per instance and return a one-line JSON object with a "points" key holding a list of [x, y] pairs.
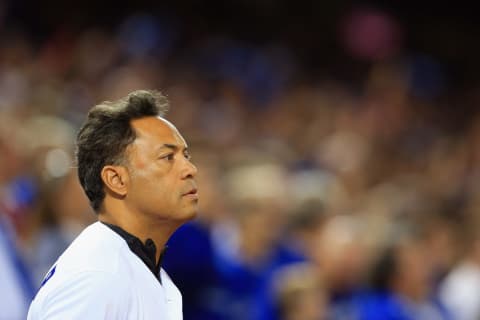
{"points": [[190, 170]]}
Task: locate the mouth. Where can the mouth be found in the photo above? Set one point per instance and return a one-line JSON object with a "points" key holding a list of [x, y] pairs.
{"points": [[192, 193]]}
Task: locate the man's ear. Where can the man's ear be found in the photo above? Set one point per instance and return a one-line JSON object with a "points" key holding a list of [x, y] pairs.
{"points": [[115, 179]]}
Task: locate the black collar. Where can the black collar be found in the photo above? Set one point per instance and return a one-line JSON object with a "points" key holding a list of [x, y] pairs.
{"points": [[146, 252]]}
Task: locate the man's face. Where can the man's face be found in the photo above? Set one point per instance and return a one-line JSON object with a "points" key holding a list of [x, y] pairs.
{"points": [[162, 183]]}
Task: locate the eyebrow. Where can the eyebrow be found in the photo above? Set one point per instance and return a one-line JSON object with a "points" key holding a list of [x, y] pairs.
{"points": [[174, 147]]}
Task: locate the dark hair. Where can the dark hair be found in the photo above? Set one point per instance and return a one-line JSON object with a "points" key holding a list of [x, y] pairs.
{"points": [[107, 132], [384, 269]]}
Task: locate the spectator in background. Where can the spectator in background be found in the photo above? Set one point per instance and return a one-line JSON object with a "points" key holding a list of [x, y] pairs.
{"points": [[16, 195], [460, 290], [17, 287], [342, 258], [402, 283], [250, 248], [300, 294], [304, 225]]}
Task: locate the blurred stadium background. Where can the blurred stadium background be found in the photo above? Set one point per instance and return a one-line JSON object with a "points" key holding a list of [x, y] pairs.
{"points": [[338, 148]]}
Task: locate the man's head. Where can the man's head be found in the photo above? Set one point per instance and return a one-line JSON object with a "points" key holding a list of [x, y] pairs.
{"points": [[126, 151]]}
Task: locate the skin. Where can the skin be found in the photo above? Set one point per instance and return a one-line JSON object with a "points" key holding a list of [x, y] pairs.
{"points": [[154, 192], [414, 271]]}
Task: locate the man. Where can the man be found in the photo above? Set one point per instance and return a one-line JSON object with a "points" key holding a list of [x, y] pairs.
{"points": [[135, 168]]}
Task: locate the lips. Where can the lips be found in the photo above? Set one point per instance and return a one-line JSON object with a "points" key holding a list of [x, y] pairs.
{"points": [[191, 192]]}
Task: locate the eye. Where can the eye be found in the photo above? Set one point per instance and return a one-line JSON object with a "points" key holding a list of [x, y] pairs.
{"points": [[169, 157], [187, 155]]}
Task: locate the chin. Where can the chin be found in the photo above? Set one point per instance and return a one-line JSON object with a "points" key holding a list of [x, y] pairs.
{"points": [[193, 214], [189, 215]]}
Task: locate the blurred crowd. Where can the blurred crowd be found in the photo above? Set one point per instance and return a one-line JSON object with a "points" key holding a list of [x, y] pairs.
{"points": [[320, 199]]}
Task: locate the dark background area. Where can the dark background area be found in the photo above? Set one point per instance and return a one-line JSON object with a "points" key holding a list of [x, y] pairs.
{"points": [[310, 29]]}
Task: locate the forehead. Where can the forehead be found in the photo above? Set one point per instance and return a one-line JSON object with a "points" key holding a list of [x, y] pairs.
{"points": [[156, 130]]}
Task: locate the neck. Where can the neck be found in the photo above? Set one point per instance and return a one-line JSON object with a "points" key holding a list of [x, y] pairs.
{"points": [[158, 231]]}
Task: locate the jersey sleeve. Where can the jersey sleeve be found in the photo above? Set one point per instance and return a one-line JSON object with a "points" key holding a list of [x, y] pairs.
{"points": [[92, 295]]}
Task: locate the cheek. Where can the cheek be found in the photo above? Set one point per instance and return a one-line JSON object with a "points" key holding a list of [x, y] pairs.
{"points": [[154, 181], [163, 189], [154, 195]]}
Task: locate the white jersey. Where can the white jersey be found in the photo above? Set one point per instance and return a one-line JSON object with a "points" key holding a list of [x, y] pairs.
{"points": [[99, 277]]}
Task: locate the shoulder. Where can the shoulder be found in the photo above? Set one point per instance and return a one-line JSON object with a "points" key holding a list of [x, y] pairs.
{"points": [[94, 260], [97, 248], [83, 295]]}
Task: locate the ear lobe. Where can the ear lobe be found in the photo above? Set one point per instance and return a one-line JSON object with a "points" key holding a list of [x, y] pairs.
{"points": [[115, 179]]}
